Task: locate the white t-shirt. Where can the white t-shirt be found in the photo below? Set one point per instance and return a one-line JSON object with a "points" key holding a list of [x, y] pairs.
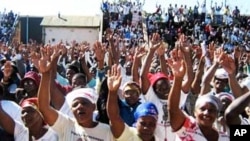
{"points": [[191, 131], [21, 133], [69, 130], [246, 82], [65, 109], [12, 109], [163, 128]]}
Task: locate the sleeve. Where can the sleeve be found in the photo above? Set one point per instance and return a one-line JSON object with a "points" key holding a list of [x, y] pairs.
{"points": [[58, 127], [126, 135], [188, 125], [21, 133]]}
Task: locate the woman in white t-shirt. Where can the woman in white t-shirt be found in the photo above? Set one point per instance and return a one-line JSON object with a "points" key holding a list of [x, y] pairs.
{"points": [[82, 102], [33, 126], [206, 109]]}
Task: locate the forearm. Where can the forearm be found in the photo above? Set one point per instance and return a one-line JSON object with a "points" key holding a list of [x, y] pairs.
{"points": [[235, 86], [112, 106], [146, 63], [209, 75], [163, 64], [85, 69], [6, 122], [44, 92], [135, 68]]}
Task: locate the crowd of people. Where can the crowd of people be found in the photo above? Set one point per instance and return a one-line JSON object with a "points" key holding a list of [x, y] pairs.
{"points": [[7, 25], [189, 81]]}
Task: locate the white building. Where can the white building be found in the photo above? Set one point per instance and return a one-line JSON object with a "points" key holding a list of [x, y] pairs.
{"points": [[69, 28]]}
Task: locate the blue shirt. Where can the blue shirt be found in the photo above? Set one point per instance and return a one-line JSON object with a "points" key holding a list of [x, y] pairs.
{"points": [[127, 112]]}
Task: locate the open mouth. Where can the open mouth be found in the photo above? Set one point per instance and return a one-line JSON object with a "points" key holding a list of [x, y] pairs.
{"points": [[81, 113]]}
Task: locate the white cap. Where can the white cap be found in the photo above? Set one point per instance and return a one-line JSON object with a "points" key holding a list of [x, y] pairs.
{"points": [[87, 93], [221, 74]]}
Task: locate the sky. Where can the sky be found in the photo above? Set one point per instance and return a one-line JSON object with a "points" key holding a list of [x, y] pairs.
{"points": [[92, 7]]}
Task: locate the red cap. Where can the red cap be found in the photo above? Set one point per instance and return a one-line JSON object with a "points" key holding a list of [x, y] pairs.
{"points": [[153, 77]]}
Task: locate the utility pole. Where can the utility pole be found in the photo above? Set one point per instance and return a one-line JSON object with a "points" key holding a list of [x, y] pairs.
{"points": [[27, 29]]}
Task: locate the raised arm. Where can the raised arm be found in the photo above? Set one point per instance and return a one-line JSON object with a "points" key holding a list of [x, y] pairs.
{"points": [[236, 108], [228, 64], [185, 49], [208, 76], [114, 81], [57, 96], [44, 66], [155, 44], [196, 84], [139, 53], [178, 67], [83, 48]]}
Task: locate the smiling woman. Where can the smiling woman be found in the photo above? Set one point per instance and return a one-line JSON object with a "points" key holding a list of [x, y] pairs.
{"points": [[48, 7]]}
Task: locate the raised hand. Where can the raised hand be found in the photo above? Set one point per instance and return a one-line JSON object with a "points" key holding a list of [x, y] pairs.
{"points": [[228, 63], [217, 54], [237, 52], [176, 63], [161, 50], [99, 51], [114, 78], [155, 41], [140, 52], [184, 44]]}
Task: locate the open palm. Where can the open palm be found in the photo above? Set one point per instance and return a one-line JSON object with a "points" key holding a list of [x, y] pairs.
{"points": [[114, 78]]}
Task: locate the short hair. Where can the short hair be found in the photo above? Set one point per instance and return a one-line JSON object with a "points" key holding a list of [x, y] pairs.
{"points": [[73, 67]]}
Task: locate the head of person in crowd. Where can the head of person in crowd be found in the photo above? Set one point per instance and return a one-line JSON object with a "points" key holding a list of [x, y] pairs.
{"points": [[12, 79], [79, 79], [160, 84], [207, 108], [30, 84], [71, 70], [31, 116], [128, 67], [146, 116], [247, 111], [83, 104], [131, 93], [220, 81], [226, 99]]}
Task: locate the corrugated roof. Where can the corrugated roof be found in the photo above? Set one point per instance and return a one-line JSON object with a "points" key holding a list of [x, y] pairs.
{"points": [[71, 21]]}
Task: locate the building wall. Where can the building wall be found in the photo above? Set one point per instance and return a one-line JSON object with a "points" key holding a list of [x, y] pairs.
{"points": [[57, 34]]}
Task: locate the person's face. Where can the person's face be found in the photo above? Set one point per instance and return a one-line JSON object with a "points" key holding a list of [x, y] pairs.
{"points": [[162, 88], [30, 116], [78, 82], [69, 74], [206, 114], [146, 126], [83, 110], [225, 103], [128, 68], [29, 85], [131, 97], [220, 84]]}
